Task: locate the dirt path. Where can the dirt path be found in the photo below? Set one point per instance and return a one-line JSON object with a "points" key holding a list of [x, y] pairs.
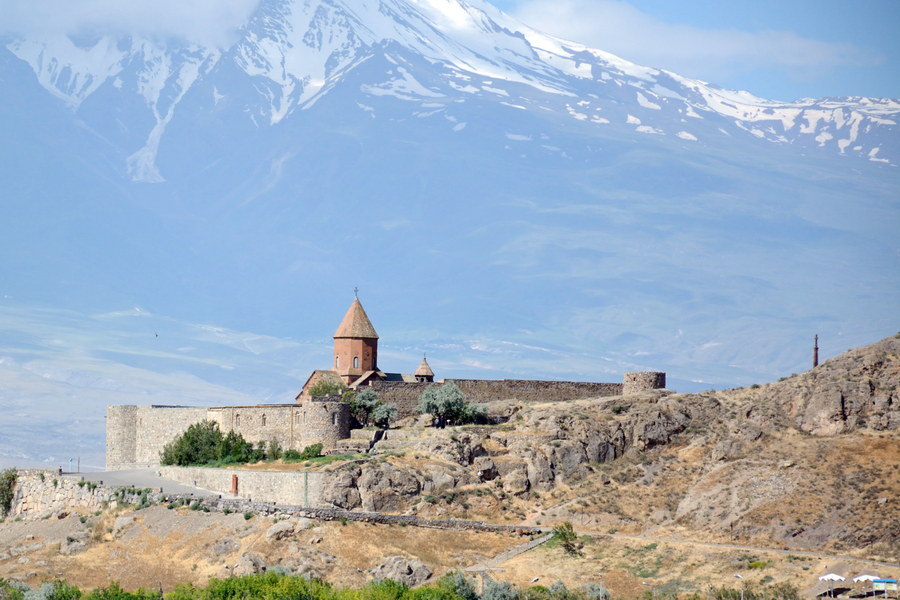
{"points": [[723, 546]]}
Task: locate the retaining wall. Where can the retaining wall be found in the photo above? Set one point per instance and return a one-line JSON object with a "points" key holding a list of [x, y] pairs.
{"points": [[38, 497], [299, 488], [43, 492]]}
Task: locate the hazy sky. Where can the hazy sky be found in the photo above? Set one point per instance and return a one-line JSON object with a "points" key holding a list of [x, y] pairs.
{"points": [[774, 48]]}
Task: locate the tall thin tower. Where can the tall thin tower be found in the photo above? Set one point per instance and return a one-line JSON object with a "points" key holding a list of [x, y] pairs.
{"points": [[816, 352]]}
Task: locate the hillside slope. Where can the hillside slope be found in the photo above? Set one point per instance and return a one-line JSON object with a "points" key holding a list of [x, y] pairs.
{"points": [[810, 462]]}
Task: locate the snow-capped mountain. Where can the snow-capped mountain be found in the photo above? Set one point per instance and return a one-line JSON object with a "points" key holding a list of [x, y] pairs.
{"points": [[293, 53], [513, 204]]}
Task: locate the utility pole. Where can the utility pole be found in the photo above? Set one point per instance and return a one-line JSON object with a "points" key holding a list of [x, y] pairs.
{"points": [[816, 352]]}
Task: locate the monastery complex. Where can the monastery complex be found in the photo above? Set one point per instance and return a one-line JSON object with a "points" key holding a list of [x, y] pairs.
{"points": [[135, 435]]}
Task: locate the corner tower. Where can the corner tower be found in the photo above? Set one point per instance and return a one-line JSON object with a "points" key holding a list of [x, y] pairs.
{"points": [[355, 345]]}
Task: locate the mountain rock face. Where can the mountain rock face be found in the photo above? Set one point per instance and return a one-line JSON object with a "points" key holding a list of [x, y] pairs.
{"points": [[858, 389], [453, 163]]}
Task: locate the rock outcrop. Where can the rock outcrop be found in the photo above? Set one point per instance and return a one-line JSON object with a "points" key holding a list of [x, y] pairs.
{"points": [[405, 570]]}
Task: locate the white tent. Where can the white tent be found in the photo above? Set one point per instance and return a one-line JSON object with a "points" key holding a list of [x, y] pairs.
{"points": [[861, 578], [831, 578]]}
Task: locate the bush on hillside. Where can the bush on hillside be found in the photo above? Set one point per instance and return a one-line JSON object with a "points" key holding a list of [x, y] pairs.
{"points": [[499, 590]]}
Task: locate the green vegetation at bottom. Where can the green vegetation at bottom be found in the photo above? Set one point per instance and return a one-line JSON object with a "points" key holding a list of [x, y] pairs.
{"points": [[276, 585]]}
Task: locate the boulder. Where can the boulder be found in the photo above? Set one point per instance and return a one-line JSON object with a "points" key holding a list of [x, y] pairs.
{"points": [[516, 482], [487, 471], [249, 563], [74, 543], [280, 530], [224, 546], [339, 488], [405, 570], [120, 524], [384, 487]]}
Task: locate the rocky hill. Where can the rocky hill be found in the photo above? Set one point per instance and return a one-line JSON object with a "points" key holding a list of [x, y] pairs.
{"points": [[808, 462], [677, 490]]}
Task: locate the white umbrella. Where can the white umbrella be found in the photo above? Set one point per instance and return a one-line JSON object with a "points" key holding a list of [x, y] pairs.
{"points": [[832, 577], [867, 578]]}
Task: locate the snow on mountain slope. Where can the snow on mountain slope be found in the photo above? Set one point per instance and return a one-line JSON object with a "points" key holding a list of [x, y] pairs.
{"points": [[295, 51]]}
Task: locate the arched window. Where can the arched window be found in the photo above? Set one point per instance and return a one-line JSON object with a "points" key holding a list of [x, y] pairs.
{"points": [[337, 362], [237, 420], [297, 418], [334, 418], [264, 420], [355, 362]]}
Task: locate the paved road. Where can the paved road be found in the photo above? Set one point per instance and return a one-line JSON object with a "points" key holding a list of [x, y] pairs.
{"points": [[143, 478]]}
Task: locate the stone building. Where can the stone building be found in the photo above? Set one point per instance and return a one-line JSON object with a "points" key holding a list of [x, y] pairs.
{"points": [[135, 435]]}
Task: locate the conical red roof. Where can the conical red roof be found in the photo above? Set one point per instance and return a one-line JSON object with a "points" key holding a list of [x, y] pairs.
{"points": [[356, 323]]}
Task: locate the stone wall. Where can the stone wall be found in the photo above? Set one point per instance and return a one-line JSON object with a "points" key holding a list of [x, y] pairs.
{"points": [[637, 382], [324, 422], [524, 390], [43, 492], [135, 435], [262, 423], [406, 395], [297, 488]]}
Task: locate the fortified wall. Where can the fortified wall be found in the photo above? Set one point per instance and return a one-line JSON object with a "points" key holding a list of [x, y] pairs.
{"points": [[406, 395], [135, 435]]}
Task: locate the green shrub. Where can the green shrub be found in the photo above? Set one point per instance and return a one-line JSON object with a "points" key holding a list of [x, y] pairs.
{"points": [[273, 452], [595, 591], [199, 445], [310, 452], [7, 489], [457, 584], [498, 590], [564, 535], [248, 515]]}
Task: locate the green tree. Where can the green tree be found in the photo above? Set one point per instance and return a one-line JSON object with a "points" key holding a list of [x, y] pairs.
{"points": [[273, 452], [7, 489], [447, 402], [363, 404], [383, 414], [197, 446], [565, 536], [326, 387]]}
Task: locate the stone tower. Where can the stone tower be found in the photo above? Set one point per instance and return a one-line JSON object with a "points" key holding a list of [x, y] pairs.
{"points": [[355, 345]]}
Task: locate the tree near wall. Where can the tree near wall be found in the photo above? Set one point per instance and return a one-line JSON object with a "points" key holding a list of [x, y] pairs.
{"points": [[326, 387], [448, 403], [383, 414], [7, 489]]}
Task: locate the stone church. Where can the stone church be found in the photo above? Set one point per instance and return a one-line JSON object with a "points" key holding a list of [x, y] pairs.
{"points": [[135, 435], [356, 357]]}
